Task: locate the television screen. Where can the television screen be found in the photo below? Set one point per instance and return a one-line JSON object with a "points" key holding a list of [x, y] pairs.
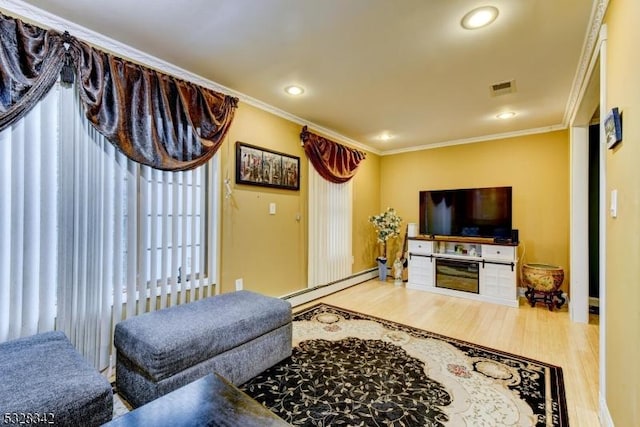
{"points": [[473, 212]]}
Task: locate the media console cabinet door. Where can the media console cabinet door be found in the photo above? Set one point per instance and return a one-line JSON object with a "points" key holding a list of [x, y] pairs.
{"points": [[421, 270], [498, 281]]}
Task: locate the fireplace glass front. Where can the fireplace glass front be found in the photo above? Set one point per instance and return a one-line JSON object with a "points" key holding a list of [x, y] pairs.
{"points": [[459, 275]]}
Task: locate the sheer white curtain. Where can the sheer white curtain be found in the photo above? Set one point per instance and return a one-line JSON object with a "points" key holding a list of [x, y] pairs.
{"points": [[91, 237], [330, 219]]}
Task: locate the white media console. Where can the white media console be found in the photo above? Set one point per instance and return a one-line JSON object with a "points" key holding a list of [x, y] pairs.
{"points": [[472, 268]]}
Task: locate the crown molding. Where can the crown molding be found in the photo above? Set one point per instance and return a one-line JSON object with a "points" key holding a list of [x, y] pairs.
{"points": [[46, 19], [473, 140], [583, 72], [38, 16]]}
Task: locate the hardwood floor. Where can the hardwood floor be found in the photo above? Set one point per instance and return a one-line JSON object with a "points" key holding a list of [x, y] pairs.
{"points": [[532, 332]]}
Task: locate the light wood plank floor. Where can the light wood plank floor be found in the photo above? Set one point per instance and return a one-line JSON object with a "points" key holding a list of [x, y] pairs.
{"points": [[536, 332]]}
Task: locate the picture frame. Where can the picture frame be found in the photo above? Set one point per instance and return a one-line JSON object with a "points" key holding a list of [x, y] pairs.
{"points": [[267, 168], [613, 128]]}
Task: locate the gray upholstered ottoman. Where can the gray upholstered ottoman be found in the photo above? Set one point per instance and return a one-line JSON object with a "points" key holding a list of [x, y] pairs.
{"points": [[237, 335], [44, 380]]}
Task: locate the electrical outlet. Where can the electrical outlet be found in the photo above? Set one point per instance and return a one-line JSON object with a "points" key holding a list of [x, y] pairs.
{"points": [[239, 284]]}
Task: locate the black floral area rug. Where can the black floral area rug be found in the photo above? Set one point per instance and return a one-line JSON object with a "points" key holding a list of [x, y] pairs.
{"points": [[350, 369]]}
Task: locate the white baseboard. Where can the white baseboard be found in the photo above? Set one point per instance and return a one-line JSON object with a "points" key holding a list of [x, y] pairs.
{"points": [[605, 416], [307, 295]]}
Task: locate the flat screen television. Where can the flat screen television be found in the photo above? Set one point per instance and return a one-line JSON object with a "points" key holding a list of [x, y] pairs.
{"points": [[473, 212]]}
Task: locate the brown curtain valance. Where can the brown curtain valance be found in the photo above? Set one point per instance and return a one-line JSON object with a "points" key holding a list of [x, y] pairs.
{"points": [[153, 118], [334, 162], [30, 62]]}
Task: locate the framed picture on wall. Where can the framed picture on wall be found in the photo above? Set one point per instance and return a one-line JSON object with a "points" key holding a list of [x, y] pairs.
{"points": [[267, 168], [613, 128]]}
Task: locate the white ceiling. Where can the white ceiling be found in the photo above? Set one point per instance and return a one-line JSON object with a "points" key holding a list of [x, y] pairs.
{"points": [[406, 67]]}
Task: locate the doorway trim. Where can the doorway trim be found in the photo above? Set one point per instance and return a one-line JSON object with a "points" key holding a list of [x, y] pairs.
{"points": [[579, 139]]}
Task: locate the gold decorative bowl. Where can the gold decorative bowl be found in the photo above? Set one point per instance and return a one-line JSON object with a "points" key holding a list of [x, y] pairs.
{"points": [[543, 277]]}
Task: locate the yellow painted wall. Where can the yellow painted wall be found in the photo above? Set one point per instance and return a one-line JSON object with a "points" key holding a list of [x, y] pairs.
{"points": [[536, 166], [623, 232], [366, 202], [269, 252], [266, 251]]}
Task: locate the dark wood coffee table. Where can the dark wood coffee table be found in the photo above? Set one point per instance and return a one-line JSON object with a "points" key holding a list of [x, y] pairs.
{"points": [[209, 401]]}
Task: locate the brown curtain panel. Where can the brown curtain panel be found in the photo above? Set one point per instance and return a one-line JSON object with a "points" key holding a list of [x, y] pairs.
{"points": [[334, 162], [153, 118], [30, 61]]}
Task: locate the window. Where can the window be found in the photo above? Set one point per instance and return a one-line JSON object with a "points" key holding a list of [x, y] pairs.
{"points": [[173, 208], [88, 231]]}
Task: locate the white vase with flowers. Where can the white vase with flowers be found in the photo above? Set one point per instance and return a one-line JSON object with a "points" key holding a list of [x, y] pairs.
{"points": [[387, 225]]}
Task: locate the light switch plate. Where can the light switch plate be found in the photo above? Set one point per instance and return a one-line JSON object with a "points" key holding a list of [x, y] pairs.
{"points": [[272, 208], [614, 203]]}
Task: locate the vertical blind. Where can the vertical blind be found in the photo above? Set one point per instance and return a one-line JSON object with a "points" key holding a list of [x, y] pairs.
{"points": [[92, 237], [330, 218], [28, 221]]}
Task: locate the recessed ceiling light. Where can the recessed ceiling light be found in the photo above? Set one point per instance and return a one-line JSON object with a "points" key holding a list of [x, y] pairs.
{"points": [[479, 17], [294, 90], [385, 136], [506, 115]]}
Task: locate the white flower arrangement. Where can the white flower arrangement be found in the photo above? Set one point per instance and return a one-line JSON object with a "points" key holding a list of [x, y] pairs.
{"points": [[387, 225]]}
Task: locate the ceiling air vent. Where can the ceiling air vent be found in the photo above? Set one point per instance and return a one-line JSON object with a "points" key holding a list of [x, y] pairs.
{"points": [[502, 88]]}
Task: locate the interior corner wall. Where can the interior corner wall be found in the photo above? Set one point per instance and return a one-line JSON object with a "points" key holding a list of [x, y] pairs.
{"points": [[366, 202], [269, 252], [536, 166], [622, 344]]}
